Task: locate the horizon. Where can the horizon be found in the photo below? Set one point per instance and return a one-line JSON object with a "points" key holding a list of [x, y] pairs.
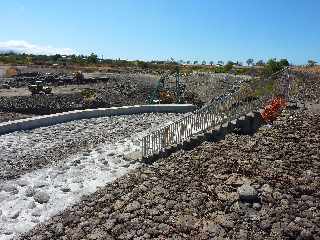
{"points": [[152, 30]]}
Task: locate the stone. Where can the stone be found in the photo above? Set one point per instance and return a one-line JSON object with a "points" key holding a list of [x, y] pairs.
{"points": [[224, 221], [31, 205], [133, 206], [118, 205], [22, 183], [292, 229], [187, 222], [76, 162], [111, 154], [40, 184], [65, 189], [15, 214], [109, 224], [133, 156], [214, 229], [99, 234], [164, 228], [105, 163], [256, 206], [9, 188], [247, 193], [59, 229], [265, 225], [29, 192], [36, 213], [267, 188], [306, 235], [3, 196], [41, 197], [7, 232]]}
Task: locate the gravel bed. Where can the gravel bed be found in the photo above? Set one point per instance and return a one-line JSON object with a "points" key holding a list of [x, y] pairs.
{"points": [[264, 186], [29, 150], [10, 116]]}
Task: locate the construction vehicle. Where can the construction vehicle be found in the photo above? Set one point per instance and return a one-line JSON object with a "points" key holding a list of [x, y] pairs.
{"points": [[165, 92], [78, 76], [39, 88], [5, 86]]}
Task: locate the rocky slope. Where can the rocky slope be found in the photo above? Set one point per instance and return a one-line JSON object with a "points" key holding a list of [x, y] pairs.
{"points": [[264, 186]]}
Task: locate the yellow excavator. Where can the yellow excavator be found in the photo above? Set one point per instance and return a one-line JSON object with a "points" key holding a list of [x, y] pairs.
{"points": [[39, 88], [78, 76]]}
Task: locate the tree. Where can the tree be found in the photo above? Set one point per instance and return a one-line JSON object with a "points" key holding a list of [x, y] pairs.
{"points": [[56, 57], [273, 65], [211, 63], [188, 62], [93, 58], [311, 63], [260, 63], [195, 62], [204, 62], [172, 59], [228, 66], [230, 63], [220, 63], [250, 61], [284, 62]]}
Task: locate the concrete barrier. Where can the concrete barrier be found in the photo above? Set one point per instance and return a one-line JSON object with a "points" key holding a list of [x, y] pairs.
{"points": [[48, 120], [247, 124]]}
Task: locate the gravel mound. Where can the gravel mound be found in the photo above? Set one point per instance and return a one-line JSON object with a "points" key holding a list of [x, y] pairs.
{"points": [[114, 90], [195, 194], [311, 83]]}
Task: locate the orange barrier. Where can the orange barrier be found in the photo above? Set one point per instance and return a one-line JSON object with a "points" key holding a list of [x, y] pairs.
{"points": [[272, 110]]}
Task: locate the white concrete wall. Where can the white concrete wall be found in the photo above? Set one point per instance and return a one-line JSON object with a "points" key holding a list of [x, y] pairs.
{"points": [[48, 120]]}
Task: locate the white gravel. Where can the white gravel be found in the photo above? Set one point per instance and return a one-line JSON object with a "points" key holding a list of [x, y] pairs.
{"points": [[22, 152], [37, 195]]}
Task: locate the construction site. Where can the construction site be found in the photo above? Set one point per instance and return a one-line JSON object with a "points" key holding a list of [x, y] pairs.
{"points": [[196, 156], [159, 120]]}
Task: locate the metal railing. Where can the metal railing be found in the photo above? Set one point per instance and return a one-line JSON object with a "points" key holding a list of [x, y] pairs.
{"points": [[214, 114]]}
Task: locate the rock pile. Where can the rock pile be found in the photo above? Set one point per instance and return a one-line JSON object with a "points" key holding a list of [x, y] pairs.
{"points": [[114, 90], [264, 186], [214, 86], [116, 95]]}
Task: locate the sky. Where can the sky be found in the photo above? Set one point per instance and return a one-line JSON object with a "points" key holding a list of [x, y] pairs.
{"points": [[209, 30]]}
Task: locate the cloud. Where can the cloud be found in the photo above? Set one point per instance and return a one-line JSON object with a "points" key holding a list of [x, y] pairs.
{"points": [[21, 46]]}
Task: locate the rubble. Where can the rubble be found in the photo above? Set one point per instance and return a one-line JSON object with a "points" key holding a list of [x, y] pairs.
{"points": [[179, 197]]}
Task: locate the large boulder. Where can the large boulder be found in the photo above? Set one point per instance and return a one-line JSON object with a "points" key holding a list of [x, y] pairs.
{"points": [[41, 197]]}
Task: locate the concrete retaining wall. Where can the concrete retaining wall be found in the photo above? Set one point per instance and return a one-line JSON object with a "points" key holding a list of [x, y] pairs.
{"points": [[48, 120], [247, 124]]}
